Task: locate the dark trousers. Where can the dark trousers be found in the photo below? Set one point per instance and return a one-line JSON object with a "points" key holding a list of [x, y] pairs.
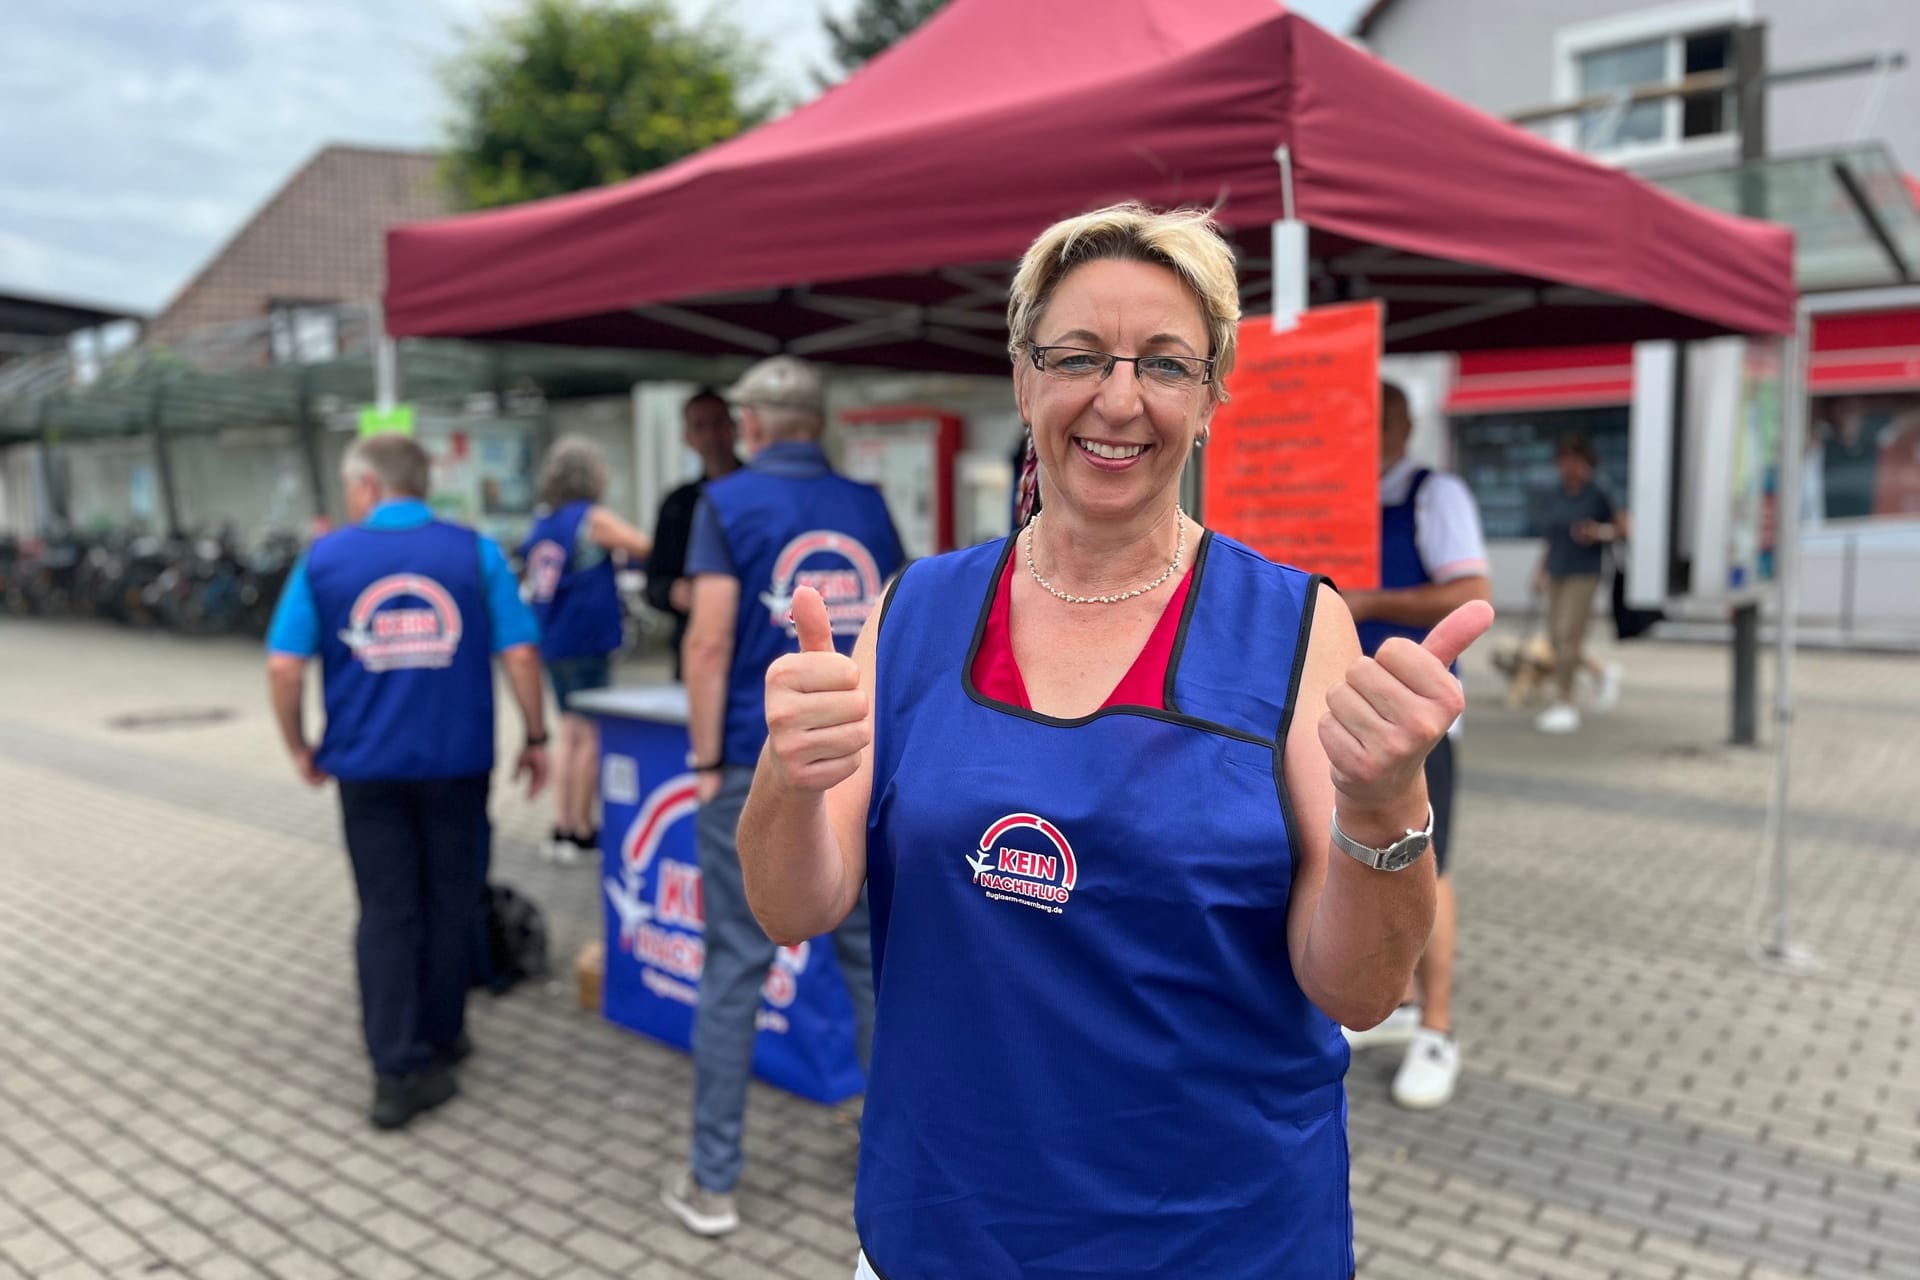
{"points": [[419, 851]]}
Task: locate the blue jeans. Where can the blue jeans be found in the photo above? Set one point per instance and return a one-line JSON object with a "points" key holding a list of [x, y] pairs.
{"points": [[738, 954]]}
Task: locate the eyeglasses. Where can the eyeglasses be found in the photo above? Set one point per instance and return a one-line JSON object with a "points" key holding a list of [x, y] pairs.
{"points": [[1078, 364]]}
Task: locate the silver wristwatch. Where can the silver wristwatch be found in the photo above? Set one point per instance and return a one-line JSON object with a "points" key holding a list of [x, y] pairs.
{"points": [[1398, 856]]}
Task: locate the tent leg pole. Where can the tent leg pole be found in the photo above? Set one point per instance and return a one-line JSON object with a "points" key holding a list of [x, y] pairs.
{"points": [[1779, 950], [386, 363], [386, 374]]}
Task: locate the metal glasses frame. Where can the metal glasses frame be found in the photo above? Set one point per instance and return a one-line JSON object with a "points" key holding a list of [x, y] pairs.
{"points": [[1035, 350]]}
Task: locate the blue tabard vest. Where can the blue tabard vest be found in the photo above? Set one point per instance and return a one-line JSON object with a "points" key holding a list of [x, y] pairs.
{"points": [[405, 652], [784, 531], [1400, 566], [578, 608], [1092, 1057]]}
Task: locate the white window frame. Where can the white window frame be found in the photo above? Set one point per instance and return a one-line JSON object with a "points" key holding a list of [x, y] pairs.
{"points": [[1668, 22], [303, 332]]}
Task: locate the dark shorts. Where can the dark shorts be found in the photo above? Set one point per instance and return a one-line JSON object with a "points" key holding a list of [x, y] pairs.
{"points": [[1440, 796], [577, 675]]}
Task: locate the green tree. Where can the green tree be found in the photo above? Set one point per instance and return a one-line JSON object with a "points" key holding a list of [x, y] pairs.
{"points": [[873, 27], [570, 94]]}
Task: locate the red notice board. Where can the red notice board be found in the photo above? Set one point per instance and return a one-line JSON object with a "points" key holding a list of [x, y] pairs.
{"points": [[1293, 465]]}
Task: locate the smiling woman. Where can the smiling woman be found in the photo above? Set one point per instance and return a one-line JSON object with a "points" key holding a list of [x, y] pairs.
{"points": [[1090, 768]]}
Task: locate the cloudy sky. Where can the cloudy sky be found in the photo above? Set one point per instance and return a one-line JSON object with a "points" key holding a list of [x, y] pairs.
{"points": [[140, 135]]}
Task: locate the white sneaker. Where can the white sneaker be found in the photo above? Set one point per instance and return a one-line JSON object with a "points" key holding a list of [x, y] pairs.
{"points": [[560, 851], [1397, 1028], [703, 1212], [1561, 717], [1606, 691], [1427, 1077]]}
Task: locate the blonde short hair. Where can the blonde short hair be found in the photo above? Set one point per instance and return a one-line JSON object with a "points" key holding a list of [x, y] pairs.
{"points": [[1184, 241]]}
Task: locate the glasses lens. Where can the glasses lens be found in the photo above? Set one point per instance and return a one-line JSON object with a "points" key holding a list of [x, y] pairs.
{"points": [[1072, 362], [1173, 371]]}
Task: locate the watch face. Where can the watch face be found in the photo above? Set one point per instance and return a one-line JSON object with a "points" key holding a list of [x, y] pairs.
{"points": [[1406, 852]]}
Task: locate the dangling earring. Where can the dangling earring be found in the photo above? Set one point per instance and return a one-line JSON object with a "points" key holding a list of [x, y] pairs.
{"points": [[1203, 438], [1027, 491]]}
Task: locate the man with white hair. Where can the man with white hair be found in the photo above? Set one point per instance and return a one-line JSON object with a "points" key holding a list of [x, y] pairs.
{"points": [[405, 613], [783, 521]]}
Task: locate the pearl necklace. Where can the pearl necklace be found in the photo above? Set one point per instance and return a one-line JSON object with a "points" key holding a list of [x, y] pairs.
{"points": [[1179, 550]]}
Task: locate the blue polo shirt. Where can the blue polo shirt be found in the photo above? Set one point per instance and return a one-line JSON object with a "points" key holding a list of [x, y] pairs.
{"points": [[296, 624]]}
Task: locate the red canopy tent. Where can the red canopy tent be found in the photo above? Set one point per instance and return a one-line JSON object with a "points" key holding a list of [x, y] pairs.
{"points": [[875, 225]]}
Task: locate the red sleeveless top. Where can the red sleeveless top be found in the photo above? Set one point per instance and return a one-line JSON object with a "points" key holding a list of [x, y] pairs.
{"points": [[996, 675]]}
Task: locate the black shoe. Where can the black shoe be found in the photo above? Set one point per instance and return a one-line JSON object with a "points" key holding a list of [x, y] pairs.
{"points": [[588, 843], [392, 1102], [432, 1087], [398, 1099], [456, 1053]]}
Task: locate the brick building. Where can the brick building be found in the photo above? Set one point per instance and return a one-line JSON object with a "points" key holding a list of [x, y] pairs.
{"points": [[320, 239]]}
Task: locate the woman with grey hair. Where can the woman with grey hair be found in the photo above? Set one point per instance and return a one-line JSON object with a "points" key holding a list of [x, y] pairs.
{"points": [[1139, 824], [569, 556]]}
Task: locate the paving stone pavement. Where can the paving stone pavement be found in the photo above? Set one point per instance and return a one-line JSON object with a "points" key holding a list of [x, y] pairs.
{"points": [[182, 1086]]}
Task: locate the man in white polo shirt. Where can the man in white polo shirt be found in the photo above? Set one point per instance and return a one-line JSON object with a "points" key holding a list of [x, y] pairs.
{"points": [[1433, 559]]}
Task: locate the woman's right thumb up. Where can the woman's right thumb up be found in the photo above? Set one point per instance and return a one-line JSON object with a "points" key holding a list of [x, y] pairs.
{"points": [[810, 621]]}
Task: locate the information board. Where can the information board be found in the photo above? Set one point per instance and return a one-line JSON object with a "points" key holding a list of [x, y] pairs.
{"points": [[1293, 464]]}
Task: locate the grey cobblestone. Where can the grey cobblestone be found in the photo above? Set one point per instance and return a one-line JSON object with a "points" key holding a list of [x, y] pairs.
{"points": [[185, 1084]]}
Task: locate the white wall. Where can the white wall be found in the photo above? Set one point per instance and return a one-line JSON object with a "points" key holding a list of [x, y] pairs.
{"points": [[607, 421], [1826, 113], [20, 490], [1499, 55], [1426, 379], [112, 483], [252, 479]]}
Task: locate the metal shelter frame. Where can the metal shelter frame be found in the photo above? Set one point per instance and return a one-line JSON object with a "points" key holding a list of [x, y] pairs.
{"points": [[227, 378]]}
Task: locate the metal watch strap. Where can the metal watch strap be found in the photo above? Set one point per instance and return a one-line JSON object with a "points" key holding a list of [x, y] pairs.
{"points": [[1378, 859]]}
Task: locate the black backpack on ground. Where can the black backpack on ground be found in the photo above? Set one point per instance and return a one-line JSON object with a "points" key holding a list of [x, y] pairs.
{"points": [[516, 940], [1629, 622]]}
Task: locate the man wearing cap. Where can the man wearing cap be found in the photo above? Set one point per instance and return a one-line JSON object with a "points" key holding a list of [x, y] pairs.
{"points": [[406, 613], [783, 521]]}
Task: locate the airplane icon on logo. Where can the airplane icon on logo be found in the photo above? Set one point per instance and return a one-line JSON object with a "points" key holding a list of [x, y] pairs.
{"points": [[625, 897]]}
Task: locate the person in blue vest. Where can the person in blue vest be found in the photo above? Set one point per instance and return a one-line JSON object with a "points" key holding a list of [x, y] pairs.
{"points": [[569, 566], [783, 523], [1433, 559], [406, 613], [1141, 827]]}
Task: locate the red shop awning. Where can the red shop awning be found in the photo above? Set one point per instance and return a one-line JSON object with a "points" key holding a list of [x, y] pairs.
{"points": [[1865, 351], [1542, 378]]}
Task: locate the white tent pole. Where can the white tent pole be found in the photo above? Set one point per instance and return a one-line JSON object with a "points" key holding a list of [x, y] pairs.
{"points": [[1289, 262], [386, 364], [1779, 949]]}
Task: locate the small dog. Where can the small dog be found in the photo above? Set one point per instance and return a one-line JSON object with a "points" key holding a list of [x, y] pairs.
{"points": [[1528, 666]]}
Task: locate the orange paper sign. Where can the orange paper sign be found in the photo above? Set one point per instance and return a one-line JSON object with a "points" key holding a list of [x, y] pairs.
{"points": [[1293, 469]]}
